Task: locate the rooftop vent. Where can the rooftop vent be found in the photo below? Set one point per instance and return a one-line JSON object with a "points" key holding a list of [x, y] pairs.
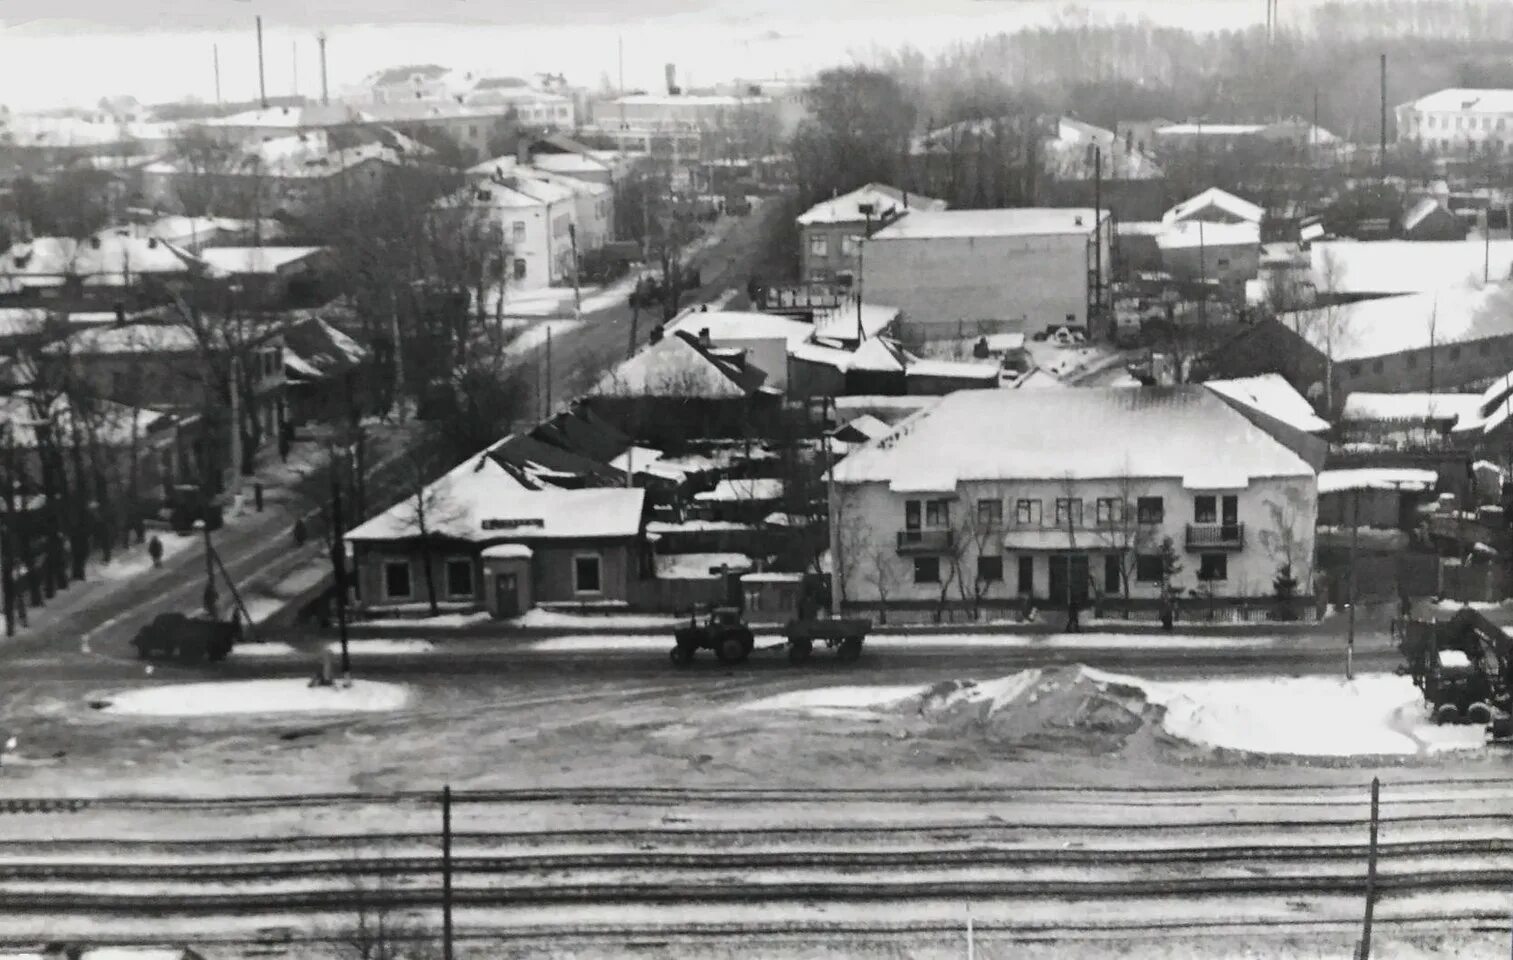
{"points": [[1077, 221]]}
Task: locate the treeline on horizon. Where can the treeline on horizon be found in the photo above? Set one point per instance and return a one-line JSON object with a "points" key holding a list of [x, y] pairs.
{"points": [[1106, 72]]}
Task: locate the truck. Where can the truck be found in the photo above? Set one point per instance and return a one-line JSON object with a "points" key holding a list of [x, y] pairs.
{"points": [[1464, 666], [724, 630], [186, 638]]}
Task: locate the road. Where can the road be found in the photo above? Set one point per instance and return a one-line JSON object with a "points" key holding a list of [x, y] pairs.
{"points": [[580, 356]]}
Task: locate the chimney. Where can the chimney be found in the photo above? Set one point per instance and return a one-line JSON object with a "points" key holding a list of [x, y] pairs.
{"points": [[704, 339], [672, 79]]}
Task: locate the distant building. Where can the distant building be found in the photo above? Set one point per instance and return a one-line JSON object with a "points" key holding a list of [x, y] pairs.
{"points": [[416, 82], [1215, 206], [973, 489], [1036, 266], [1226, 253], [593, 204], [677, 124], [1295, 135], [1431, 219], [831, 231], [531, 218], [1458, 121]]}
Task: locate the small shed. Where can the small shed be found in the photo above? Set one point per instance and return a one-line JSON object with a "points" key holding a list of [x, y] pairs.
{"points": [[507, 579]]}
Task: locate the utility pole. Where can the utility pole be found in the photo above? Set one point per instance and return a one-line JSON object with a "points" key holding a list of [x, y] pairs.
{"points": [[548, 411], [7, 536], [1097, 232], [320, 38], [1313, 134], [1384, 117], [446, 872], [572, 239], [262, 86], [294, 66], [339, 568], [1376, 795], [215, 53], [866, 209], [1355, 528]]}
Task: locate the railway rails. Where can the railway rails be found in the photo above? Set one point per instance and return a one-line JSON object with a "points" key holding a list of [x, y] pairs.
{"points": [[648, 862]]}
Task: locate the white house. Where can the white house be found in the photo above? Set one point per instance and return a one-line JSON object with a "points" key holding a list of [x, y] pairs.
{"points": [[831, 231], [1215, 206], [1034, 265], [764, 340], [999, 497], [532, 218], [1458, 120]]}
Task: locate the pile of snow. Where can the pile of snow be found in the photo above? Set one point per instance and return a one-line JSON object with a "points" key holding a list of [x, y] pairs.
{"points": [[242, 697], [1373, 715]]}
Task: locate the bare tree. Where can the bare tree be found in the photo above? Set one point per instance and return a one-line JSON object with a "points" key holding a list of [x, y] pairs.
{"points": [[1285, 542], [880, 570], [1121, 531], [980, 524], [378, 930]]}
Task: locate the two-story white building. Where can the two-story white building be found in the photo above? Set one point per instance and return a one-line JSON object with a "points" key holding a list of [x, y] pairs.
{"points": [[1458, 120], [994, 498], [531, 219]]}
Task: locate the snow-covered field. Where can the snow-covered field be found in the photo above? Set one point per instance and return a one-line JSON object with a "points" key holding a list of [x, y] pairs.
{"points": [[257, 697]]}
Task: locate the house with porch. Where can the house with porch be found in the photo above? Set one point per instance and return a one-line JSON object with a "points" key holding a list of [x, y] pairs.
{"points": [[482, 538], [971, 505]]}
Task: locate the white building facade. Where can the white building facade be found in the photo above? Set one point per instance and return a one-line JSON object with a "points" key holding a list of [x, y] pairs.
{"points": [[974, 505], [1458, 121]]}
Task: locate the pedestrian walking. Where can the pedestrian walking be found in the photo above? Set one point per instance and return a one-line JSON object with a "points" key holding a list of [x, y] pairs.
{"points": [[155, 551], [1073, 624], [300, 533], [1168, 611]]}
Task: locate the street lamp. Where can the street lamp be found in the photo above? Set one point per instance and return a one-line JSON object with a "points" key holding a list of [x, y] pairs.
{"points": [[867, 210], [339, 564]]}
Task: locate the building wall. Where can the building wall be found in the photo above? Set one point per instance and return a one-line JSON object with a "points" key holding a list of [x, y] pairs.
{"points": [[1043, 280], [1231, 264], [1454, 366], [1452, 131], [769, 355], [839, 249], [526, 234], [551, 571], [866, 519]]}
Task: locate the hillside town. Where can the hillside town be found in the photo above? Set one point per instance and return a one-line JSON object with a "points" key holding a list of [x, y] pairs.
{"points": [[429, 417]]}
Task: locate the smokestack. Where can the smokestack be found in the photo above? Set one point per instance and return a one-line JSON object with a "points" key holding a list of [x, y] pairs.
{"points": [[215, 51], [320, 38], [262, 86], [294, 65], [672, 79], [1384, 116]]}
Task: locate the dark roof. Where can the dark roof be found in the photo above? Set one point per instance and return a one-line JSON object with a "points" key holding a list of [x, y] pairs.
{"points": [[582, 432], [558, 143], [748, 378], [499, 83], [401, 74], [324, 348], [525, 456]]}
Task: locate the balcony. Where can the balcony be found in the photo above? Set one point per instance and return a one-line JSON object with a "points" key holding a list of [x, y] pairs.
{"points": [[926, 541], [1215, 536]]}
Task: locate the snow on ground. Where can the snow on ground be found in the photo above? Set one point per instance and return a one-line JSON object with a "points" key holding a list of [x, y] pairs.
{"points": [[535, 335], [241, 697], [355, 648], [451, 620], [135, 560], [592, 621], [1455, 605], [1096, 641], [836, 701], [1375, 714]]}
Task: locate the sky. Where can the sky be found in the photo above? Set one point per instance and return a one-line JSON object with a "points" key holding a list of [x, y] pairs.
{"points": [[160, 50]]}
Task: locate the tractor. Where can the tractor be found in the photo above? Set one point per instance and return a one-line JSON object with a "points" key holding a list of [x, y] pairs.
{"points": [[1464, 666], [722, 631]]}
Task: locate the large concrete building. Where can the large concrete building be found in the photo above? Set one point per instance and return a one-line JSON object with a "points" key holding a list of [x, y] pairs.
{"points": [[831, 232], [1458, 120], [1039, 267]]}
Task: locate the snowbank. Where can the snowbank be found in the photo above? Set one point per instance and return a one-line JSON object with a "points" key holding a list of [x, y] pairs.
{"points": [[243, 697], [1376, 714], [894, 641], [592, 621], [836, 701], [356, 648]]}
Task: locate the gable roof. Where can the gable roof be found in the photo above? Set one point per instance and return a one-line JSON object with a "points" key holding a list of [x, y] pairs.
{"points": [[675, 366], [538, 464], [392, 75], [109, 260], [1465, 100], [976, 435], [256, 260], [580, 431], [1008, 222], [1272, 395], [743, 325], [1214, 197], [1390, 407], [319, 350], [1186, 234], [1381, 267], [884, 199], [1375, 328], [1421, 211]]}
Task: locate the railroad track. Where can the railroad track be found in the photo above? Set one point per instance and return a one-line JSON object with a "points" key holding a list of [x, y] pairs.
{"points": [[745, 863]]}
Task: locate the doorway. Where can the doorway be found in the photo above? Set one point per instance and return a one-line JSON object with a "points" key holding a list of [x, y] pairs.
{"points": [[1069, 578], [506, 596]]}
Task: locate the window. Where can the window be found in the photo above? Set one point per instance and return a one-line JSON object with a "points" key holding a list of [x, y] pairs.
{"points": [[1026, 576], [1148, 568], [989, 513], [1068, 511], [1205, 510], [1213, 566], [517, 232], [1027, 512], [1355, 369], [937, 513], [1150, 510], [397, 580], [519, 269], [1412, 361], [926, 569], [1454, 353], [990, 569], [459, 578], [1376, 366], [1111, 574], [850, 245], [586, 574], [911, 514], [819, 246], [1223, 263], [1110, 511]]}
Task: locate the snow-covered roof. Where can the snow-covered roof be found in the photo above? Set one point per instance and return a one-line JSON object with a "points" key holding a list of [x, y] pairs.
{"points": [[133, 953], [1388, 325], [846, 208], [1220, 199], [740, 489], [256, 260], [1188, 234], [1209, 129], [735, 325], [699, 566], [953, 369], [507, 551], [569, 163], [1464, 100], [1006, 222], [1407, 266], [1377, 478], [110, 260], [1183, 432], [1370, 407], [479, 501], [318, 350], [1420, 211], [672, 367], [865, 426], [1272, 395], [1004, 342], [830, 356], [133, 338], [292, 118], [841, 322], [878, 356], [113, 424]]}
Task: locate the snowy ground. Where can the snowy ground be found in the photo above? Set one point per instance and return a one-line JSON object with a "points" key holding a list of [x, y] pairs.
{"points": [[587, 643], [256, 697], [536, 333]]}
